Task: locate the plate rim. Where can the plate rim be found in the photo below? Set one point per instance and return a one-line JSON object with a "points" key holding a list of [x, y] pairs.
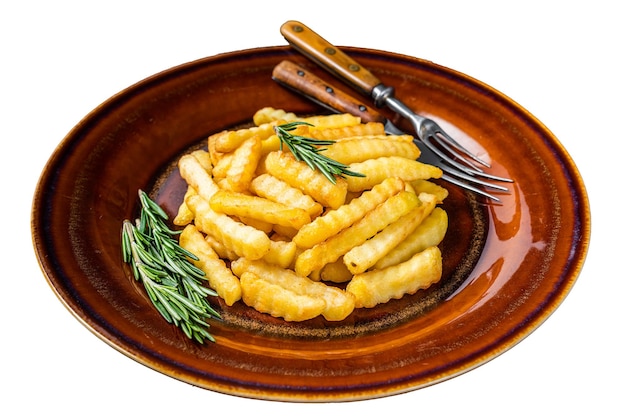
{"points": [[575, 265]]}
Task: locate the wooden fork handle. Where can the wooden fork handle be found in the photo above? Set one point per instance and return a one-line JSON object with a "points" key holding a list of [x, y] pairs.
{"points": [[304, 82], [328, 56]]}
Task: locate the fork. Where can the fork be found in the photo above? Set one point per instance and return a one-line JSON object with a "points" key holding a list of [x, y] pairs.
{"points": [[298, 79], [443, 149]]}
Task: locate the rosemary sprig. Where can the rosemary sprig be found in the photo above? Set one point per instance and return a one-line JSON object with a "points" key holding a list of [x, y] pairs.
{"points": [[173, 283], [308, 150]]}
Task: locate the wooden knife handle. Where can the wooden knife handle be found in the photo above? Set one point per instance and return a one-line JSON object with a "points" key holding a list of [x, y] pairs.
{"points": [[325, 54], [304, 82]]}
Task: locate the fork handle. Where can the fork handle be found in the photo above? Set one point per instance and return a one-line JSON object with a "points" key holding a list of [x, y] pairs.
{"points": [[328, 56], [297, 78]]}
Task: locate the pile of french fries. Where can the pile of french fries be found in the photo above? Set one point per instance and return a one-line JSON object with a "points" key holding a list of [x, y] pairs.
{"points": [[278, 235]]}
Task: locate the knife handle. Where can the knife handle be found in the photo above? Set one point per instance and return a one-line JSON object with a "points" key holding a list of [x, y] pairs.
{"points": [[325, 54], [304, 82]]}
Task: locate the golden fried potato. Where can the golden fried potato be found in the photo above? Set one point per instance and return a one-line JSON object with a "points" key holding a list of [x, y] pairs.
{"points": [[214, 155], [219, 276], [222, 251], [376, 170], [256, 223], [334, 221], [204, 158], [270, 114], [243, 165], [429, 233], [284, 166], [338, 304], [374, 221], [254, 207], [381, 285], [282, 253], [335, 272], [337, 133], [272, 188], [184, 216], [425, 186], [349, 151], [362, 257], [221, 167], [196, 176], [271, 144], [332, 121], [242, 239], [267, 297], [235, 138]]}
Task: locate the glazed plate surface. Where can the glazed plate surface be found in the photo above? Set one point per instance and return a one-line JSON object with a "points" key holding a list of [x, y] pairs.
{"points": [[507, 266]]}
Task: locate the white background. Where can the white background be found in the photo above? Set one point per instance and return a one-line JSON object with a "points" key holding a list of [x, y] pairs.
{"points": [[563, 61]]}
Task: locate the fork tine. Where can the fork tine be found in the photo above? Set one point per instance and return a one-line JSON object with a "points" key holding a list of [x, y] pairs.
{"points": [[469, 187], [431, 157], [473, 172], [443, 143], [444, 139], [473, 179], [426, 129]]}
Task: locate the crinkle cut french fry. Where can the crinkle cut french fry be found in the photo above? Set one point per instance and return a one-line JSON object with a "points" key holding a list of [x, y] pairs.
{"points": [[213, 153], [381, 285], [376, 170], [332, 222], [221, 167], [336, 272], [338, 303], [364, 129], [376, 220], [349, 151], [298, 174], [270, 144], [391, 138], [282, 253], [242, 239], [425, 186], [362, 257], [219, 248], [219, 276], [332, 121], [277, 301], [254, 207], [270, 114], [285, 230], [429, 233], [204, 158], [272, 188], [256, 223], [196, 176], [235, 138], [184, 216], [243, 165]]}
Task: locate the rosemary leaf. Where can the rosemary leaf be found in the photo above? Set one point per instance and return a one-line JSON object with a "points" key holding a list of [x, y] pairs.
{"points": [[308, 150], [172, 282]]}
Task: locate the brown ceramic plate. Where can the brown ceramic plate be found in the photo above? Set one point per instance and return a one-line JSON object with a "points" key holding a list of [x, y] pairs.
{"points": [[507, 266]]}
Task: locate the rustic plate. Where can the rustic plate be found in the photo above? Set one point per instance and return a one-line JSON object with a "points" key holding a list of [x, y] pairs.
{"points": [[507, 266]]}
